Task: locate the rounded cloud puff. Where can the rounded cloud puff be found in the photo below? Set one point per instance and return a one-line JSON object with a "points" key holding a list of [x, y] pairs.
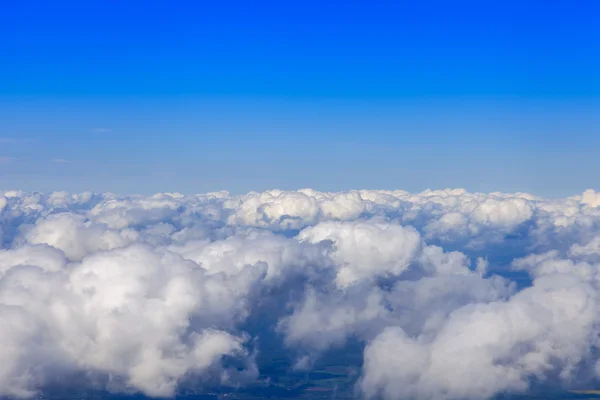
{"points": [[366, 249]]}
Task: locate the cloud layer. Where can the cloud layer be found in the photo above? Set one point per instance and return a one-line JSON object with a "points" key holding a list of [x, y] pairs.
{"points": [[449, 294]]}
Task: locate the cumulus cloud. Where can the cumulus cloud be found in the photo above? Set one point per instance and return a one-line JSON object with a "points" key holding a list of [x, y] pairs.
{"points": [[482, 349], [155, 294], [364, 249]]}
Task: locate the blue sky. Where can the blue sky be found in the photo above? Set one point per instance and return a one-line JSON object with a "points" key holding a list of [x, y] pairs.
{"points": [[147, 96]]}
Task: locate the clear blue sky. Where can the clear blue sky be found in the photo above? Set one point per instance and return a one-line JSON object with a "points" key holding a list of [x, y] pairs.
{"points": [[147, 96]]}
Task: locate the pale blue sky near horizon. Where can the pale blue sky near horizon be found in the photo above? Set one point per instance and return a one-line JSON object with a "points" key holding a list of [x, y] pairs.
{"points": [[191, 97]]}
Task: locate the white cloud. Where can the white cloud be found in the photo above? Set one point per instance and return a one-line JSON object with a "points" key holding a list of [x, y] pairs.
{"points": [[366, 249], [154, 291], [482, 349]]}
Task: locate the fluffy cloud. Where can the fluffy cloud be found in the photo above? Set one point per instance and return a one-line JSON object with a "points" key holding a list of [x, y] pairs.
{"points": [[154, 294], [482, 349], [366, 249]]}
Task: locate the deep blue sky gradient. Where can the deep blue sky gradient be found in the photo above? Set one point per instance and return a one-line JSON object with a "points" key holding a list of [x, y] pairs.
{"points": [[146, 96]]}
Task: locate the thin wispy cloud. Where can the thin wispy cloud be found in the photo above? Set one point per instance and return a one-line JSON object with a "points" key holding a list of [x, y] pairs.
{"points": [[7, 160], [13, 140], [100, 130], [61, 161]]}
